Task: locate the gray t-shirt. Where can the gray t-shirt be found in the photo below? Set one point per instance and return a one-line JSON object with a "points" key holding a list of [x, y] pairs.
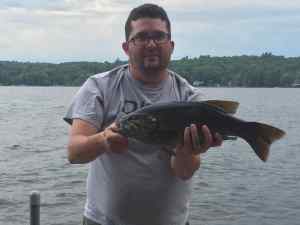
{"points": [[136, 187]]}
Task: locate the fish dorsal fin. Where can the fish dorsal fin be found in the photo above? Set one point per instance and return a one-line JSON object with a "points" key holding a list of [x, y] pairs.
{"points": [[228, 106]]}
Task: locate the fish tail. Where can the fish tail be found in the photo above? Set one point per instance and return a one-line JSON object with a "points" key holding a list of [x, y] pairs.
{"points": [[260, 137]]}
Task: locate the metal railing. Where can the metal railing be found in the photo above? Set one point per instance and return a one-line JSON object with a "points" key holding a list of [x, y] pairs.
{"points": [[35, 204]]}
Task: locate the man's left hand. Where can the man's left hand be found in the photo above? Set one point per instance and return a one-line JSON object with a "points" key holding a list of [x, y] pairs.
{"points": [[193, 144], [187, 159]]}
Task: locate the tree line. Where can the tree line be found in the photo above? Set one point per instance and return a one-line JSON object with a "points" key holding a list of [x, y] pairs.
{"points": [[266, 70]]}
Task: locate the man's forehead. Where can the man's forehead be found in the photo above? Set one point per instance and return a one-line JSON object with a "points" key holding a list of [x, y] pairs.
{"points": [[147, 25], [142, 24]]}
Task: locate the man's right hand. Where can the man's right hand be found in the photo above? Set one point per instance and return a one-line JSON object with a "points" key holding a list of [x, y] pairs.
{"points": [[86, 143], [115, 142]]}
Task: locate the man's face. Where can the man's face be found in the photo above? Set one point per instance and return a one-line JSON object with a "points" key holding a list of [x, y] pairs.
{"points": [[147, 46]]}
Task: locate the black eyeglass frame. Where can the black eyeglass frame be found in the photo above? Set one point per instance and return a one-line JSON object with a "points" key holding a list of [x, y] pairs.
{"points": [[145, 38]]}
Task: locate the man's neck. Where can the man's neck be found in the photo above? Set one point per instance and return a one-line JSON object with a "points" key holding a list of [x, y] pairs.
{"points": [[150, 79]]}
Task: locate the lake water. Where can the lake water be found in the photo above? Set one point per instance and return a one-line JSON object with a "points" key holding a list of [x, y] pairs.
{"points": [[232, 187]]}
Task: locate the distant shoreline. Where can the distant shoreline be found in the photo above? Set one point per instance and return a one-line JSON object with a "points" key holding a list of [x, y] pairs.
{"points": [[266, 70]]}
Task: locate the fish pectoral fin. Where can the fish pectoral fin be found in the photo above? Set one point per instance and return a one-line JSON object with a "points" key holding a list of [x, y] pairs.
{"points": [[169, 150], [227, 106]]}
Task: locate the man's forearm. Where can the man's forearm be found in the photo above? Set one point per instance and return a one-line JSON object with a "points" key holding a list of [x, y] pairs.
{"points": [[184, 165], [83, 149]]}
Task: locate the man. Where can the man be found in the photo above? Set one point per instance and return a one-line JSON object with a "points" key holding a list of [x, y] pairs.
{"points": [[129, 182]]}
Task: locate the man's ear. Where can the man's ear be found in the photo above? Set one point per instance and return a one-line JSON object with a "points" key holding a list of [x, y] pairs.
{"points": [[125, 47], [172, 46]]}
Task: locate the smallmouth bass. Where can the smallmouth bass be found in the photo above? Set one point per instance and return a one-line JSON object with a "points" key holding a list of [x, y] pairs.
{"points": [[164, 124]]}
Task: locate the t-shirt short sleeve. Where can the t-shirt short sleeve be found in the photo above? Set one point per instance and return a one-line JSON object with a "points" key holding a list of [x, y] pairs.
{"points": [[87, 105], [196, 95], [188, 92]]}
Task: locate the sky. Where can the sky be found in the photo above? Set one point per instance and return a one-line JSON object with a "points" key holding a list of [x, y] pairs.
{"points": [[93, 30]]}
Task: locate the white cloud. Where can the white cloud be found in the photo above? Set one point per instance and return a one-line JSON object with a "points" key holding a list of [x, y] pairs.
{"points": [[62, 35], [72, 30], [224, 4]]}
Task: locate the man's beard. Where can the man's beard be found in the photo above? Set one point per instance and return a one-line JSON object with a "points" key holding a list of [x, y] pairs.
{"points": [[153, 64]]}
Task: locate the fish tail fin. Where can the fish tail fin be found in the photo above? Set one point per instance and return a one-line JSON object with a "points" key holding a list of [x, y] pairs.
{"points": [[260, 137]]}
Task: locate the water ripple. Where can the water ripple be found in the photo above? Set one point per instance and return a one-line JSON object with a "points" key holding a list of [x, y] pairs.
{"points": [[232, 186]]}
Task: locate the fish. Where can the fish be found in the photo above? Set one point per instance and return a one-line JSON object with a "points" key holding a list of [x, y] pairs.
{"points": [[164, 123]]}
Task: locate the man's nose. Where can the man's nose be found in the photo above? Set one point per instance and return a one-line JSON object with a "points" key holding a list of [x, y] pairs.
{"points": [[151, 43]]}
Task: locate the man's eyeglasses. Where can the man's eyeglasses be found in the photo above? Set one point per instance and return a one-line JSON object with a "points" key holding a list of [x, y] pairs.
{"points": [[144, 38]]}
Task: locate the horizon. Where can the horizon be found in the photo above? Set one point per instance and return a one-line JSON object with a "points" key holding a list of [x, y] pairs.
{"points": [[172, 59]]}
